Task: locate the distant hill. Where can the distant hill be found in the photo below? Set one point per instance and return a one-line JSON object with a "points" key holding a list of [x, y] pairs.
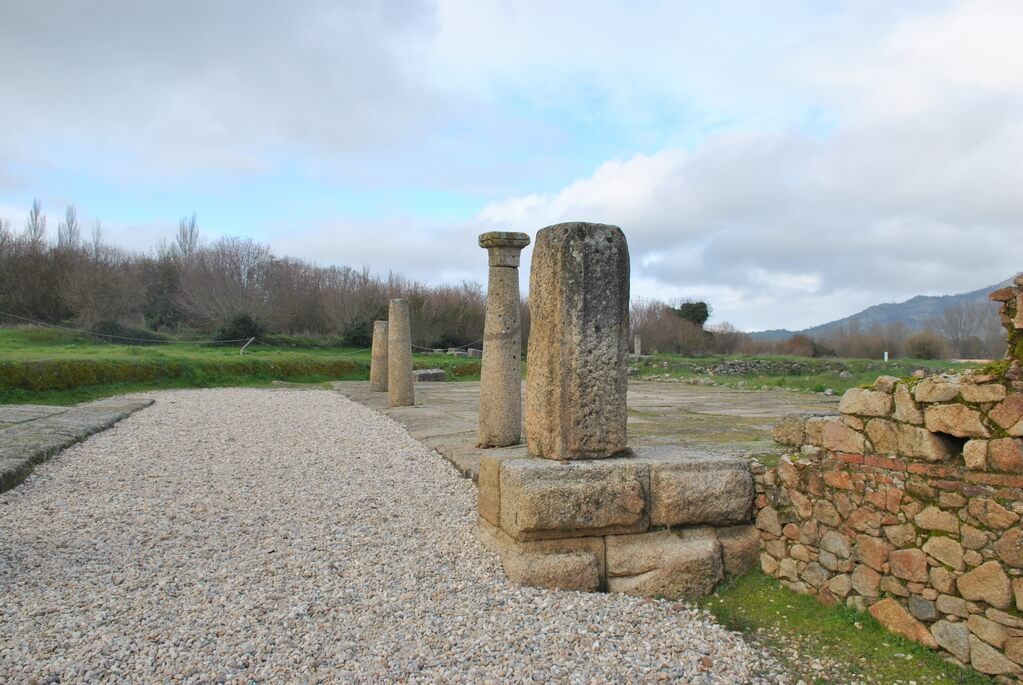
{"points": [[914, 313]]}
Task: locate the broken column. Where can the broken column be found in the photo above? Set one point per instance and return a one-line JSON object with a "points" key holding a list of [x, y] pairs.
{"points": [[582, 511], [500, 420], [578, 342], [637, 346], [378, 358], [399, 355]]}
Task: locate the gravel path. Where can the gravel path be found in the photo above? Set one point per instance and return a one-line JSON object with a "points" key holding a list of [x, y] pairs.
{"points": [[295, 536]]}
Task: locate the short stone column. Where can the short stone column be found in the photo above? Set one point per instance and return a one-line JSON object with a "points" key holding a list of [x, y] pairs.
{"points": [[637, 345], [500, 420], [378, 359], [399, 356], [578, 342]]}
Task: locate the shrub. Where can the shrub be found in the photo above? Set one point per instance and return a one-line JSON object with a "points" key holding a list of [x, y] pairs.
{"points": [[926, 345], [240, 327], [124, 335]]}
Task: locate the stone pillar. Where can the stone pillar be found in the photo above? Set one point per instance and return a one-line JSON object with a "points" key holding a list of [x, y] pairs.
{"points": [[399, 356], [378, 359], [637, 346], [501, 376], [578, 342]]}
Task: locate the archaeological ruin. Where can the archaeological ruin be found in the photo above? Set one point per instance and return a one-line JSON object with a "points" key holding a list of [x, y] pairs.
{"points": [[583, 511], [400, 392], [378, 358], [908, 505]]}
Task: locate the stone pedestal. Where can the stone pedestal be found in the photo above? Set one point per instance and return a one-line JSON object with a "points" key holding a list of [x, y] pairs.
{"points": [[378, 359], [500, 420], [661, 523], [578, 342], [400, 391]]}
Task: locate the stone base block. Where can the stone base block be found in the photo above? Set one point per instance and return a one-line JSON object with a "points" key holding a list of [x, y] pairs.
{"points": [[566, 564], [684, 564], [429, 375]]}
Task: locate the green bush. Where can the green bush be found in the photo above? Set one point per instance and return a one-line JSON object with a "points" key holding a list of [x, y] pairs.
{"points": [[123, 335], [240, 327]]}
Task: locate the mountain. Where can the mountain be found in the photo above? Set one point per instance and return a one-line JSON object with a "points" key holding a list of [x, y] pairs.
{"points": [[914, 313]]}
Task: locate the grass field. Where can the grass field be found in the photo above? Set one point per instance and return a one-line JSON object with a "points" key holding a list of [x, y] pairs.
{"points": [[51, 366], [829, 644]]}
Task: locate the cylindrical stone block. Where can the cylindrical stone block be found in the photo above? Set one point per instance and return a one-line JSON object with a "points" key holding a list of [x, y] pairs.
{"points": [[378, 359], [399, 356], [578, 342], [500, 420]]}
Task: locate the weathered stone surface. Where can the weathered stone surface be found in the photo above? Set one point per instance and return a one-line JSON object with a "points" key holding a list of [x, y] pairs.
{"points": [[990, 392], [670, 564], [378, 358], [933, 518], [986, 583], [740, 548], [578, 342], [500, 417], [975, 454], [934, 389], [1014, 649], [920, 443], [815, 574], [840, 585], [863, 402], [909, 564], [790, 430], [429, 375], [570, 564], [488, 481], [865, 580], [815, 430], [892, 616], [945, 550], [840, 438], [901, 535], [767, 520], [987, 659], [954, 638], [1006, 454], [872, 551], [972, 538], [1009, 548], [940, 579], [883, 435], [825, 512], [955, 419], [837, 544], [991, 513], [1017, 591], [686, 490], [1008, 412], [922, 609], [950, 604], [768, 564], [906, 409], [886, 384], [987, 630], [400, 391], [545, 499], [893, 586]]}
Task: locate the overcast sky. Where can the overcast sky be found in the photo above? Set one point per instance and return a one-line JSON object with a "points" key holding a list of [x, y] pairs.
{"points": [[791, 162]]}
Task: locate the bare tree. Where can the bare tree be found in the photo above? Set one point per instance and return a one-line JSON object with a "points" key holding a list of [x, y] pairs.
{"points": [[188, 235], [959, 323], [97, 240], [35, 227], [69, 233]]}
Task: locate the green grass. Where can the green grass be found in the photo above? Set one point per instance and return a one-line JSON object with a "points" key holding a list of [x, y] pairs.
{"points": [[802, 374], [49, 366], [852, 644]]}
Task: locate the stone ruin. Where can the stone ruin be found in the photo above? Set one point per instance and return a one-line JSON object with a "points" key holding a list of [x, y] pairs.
{"points": [[583, 511], [908, 505]]}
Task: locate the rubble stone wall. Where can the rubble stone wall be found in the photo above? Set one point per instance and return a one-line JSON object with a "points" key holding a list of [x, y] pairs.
{"points": [[908, 505]]}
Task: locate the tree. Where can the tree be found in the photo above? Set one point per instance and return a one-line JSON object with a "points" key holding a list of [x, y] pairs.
{"points": [[35, 226], [69, 234], [695, 313], [959, 323], [188, 235], [926, 345]]}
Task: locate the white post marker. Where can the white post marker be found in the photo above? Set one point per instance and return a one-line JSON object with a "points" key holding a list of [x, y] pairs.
{"points": [[886, 355]]}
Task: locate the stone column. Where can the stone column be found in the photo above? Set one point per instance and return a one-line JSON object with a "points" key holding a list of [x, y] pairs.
{"points": [[378, 360], [637, 346], [501, 376], [399, 356], [578, 342]]}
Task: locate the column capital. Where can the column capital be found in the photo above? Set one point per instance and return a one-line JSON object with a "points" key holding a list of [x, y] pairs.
{"points": [[504, 247]]}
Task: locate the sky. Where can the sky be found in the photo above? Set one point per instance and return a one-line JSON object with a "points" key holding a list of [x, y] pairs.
{"points": [[788, 161]]}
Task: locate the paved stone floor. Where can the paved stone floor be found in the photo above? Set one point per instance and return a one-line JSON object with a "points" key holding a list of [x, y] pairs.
{"points": [[690, 417], [31, 434]]}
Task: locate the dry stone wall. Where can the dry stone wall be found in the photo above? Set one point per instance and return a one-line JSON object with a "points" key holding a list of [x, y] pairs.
{"points": [[908, 505]]}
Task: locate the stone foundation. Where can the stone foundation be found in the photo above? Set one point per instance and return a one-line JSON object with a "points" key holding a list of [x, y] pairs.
{"points": [[659, 524], [908, 506]]}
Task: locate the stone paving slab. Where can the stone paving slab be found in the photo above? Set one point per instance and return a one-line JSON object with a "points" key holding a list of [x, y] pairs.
{"points": [[31, 434], [690, 419]]}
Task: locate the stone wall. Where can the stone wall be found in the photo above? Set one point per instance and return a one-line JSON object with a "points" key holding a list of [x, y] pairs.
{"points": [[908, 505]]}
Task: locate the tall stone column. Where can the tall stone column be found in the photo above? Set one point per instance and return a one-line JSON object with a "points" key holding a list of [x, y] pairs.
{"points": [[501, 377], [637, 345], [399, 356], [578, 342], [378, 359]]}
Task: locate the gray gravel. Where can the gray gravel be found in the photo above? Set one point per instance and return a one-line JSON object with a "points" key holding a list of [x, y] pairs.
{"points": [[295, 536]]}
